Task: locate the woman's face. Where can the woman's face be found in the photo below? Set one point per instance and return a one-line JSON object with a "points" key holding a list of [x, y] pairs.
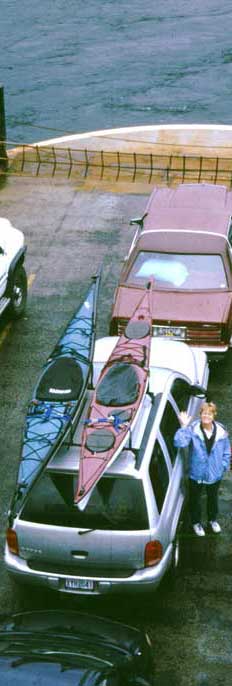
{"points": [[207, 417]]}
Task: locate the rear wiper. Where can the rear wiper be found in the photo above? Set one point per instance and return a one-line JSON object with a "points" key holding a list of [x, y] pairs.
{"points": [[107, 518], [88, 531]]}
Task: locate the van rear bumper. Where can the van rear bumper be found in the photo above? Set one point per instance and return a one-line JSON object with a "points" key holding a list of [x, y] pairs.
{"points": [[143, 580]]}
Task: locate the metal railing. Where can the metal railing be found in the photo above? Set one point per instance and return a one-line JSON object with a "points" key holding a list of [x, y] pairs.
{"points": [[114, 166]]}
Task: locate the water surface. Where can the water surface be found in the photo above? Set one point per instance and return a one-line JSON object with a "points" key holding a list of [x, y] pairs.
{"points": [[74, 66]]}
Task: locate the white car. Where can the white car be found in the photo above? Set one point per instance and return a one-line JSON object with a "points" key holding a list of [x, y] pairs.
{"points": [[13, 280], [126, 538]]}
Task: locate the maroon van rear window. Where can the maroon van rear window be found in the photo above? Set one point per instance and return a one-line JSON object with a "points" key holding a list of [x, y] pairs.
{"points": [[179, 271]]}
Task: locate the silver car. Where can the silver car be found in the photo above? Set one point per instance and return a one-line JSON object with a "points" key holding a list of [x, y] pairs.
{"points": [[127, 536]]}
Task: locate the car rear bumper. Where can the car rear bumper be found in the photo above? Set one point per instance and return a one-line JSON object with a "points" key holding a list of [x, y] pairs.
{"points": [[146, 579], [214, 351]]}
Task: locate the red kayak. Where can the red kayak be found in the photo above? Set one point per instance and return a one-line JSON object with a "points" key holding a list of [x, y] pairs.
{"points": [[120, 389]]}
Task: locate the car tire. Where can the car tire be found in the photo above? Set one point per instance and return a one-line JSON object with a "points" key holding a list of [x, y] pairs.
{"points": [[171, 574], [18, 295], [175, 556]]}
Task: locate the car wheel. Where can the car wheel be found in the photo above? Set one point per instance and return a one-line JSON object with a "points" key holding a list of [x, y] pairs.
{"points": [[18, 292], [175, 555], [170, 576]]}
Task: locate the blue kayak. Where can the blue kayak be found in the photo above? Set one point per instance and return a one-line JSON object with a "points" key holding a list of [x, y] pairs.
{"points": [[59, 393]]}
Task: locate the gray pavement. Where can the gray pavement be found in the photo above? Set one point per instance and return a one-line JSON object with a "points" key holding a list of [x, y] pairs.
{"points": [[69, 231]]}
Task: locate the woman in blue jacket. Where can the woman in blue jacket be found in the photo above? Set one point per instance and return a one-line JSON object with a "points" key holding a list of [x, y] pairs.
{"points": [[209, 458]]}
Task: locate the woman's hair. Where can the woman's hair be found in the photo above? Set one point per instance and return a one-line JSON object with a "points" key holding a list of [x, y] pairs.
{"points": [[209, 407]]}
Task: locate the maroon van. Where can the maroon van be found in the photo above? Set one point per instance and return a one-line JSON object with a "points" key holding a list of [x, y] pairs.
{"points": [[184, 241]]}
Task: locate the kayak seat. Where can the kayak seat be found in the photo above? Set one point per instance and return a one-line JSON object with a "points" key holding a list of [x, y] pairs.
{"points": [[61, 381], [99, 441], [119, 386]]}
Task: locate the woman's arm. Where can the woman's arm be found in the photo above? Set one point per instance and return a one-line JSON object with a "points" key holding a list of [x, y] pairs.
{"points": [[183, 436]]}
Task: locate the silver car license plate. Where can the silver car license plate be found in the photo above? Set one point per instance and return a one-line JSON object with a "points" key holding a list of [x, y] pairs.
{"points": [[79, 584]]}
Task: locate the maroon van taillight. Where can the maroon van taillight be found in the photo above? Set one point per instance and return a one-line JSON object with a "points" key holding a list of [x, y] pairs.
{"points": [[204, 334], [117, 326], [153, 553]]}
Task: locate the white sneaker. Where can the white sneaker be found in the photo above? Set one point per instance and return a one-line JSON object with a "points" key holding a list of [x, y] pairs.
{"points": [[215, 527], [198, 528]]}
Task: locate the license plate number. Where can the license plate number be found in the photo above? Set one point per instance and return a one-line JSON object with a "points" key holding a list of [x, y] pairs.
{"points": [[81, 584], [170, 332]]}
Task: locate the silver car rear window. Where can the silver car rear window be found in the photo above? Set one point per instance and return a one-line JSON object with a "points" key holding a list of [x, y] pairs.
{"points": [[116, 503]]}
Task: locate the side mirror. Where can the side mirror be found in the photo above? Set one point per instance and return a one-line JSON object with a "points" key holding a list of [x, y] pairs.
{"points": [[198, 391], [139, 220], [136, 220]]}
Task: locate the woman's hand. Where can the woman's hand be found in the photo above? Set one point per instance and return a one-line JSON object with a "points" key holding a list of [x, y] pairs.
{"points": [[184, 419]]}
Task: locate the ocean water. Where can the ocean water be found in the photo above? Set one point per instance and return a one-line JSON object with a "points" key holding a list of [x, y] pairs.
{"points": [[74, 66]]}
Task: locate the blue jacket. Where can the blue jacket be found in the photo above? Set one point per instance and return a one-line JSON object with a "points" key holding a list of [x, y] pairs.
{"points": [[203, 467]]}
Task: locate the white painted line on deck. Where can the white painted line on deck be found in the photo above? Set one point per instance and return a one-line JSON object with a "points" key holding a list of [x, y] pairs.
{"points": [[5, 332], [123, 131], [30, 280]]}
